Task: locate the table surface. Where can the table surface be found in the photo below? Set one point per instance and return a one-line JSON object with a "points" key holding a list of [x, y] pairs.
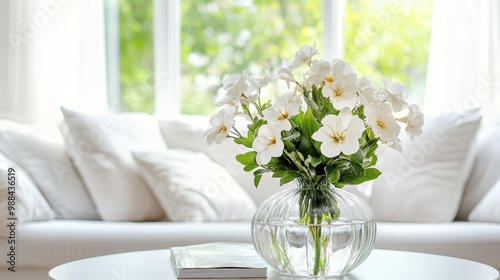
{"points": [[381, 264]]}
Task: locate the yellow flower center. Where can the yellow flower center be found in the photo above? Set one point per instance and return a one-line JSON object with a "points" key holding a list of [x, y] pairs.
{"points": [[337, 92], [329, 79], [272, 141], [338, 138], [223, 128], [381, 124], [283, 116]]}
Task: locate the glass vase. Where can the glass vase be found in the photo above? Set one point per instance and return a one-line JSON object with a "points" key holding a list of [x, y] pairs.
{"points": [[313, 229]]}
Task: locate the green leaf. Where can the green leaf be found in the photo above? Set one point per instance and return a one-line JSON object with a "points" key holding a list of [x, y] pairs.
{"points": [[309, 123], [257, 175], [315, 161], [289, 145], [266, 105], [333, 176], [373, 160], [372, 174], [247, 158], [288, 177], [254, 127], [292, 136], [357, 157], [306, 147], [309, 126], [250, 167], [300, 156], [312, 107], [247, 142], [256, 180], [297, 120], [359, 111], [277, 173], [369, 174], [357, 169]]}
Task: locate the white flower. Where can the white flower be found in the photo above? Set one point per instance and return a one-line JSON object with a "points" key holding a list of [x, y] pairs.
{"points": [[369, 96], [284, 72], [395, 144], [267, 144], [396, 94], [293, 97], [220, 123], [264, 80], [339, 68], [383, 123], [280, 113], [342, 92], [414, 121], [235, 85], [304, 55], [339, 133], [320, 69]]}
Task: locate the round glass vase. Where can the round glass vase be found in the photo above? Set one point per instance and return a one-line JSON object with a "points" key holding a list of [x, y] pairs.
{"points": [[313, 229]]}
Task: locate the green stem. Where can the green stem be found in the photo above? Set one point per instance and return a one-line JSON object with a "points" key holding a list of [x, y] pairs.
{"points": [[317, 249], [237, 132], [317, 205]]}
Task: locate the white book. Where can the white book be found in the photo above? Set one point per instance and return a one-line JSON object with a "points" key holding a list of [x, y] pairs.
{"points": [[217, 260]]}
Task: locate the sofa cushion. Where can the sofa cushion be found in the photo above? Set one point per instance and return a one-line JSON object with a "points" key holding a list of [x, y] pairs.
{"points": [[485, 171], [191, 187], [28, 203], [50, 167], [426, 181], [488, 208], [100, 147]]}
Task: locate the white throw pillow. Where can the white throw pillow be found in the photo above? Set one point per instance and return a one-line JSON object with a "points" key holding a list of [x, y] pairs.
{"points": [[425, 182], [30, 205], [100, 147], [485, 171], [488, 209], [191, 187], [50, 167]]}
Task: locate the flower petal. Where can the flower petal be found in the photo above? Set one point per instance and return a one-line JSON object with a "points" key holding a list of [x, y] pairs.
{"points": [[354, 129], [330, 148], [350, 147], [322, 134], [345, 115], [263, 158]]}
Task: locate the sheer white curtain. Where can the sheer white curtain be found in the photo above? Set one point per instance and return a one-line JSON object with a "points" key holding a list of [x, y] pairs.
{"points": [[464, 57], [56, 57]]}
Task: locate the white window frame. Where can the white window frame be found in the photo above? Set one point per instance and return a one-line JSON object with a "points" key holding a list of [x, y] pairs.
{"points": [[167, 57], [167, 42]]}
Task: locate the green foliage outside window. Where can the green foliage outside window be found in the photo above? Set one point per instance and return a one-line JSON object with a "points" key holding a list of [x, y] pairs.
{"points": [[136, 55], [385, 39], [389, 39]]}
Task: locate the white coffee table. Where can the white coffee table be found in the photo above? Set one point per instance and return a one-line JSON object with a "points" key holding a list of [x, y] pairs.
{"points": [[381, 264]]}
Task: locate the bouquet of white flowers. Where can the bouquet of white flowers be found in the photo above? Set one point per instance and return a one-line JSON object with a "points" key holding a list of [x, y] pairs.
{"points": [[327, 127]]}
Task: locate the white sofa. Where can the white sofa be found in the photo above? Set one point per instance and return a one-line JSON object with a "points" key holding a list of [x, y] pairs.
{"points": [[42, 245]]}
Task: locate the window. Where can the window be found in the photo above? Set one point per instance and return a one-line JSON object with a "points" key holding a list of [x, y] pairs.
{"points": [[224, 37], [386, 39], [389, 39]]}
